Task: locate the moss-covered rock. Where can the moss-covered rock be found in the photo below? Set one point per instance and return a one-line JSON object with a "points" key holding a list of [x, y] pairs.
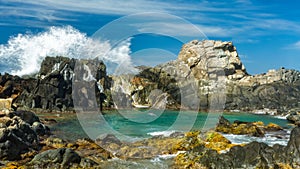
{"points": [[257, 129]]}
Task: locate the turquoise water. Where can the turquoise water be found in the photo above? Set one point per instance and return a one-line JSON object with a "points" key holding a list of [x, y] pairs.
{"points": [[135, 125]]}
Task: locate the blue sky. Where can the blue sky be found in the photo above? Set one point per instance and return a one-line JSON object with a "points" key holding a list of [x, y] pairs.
{"points": [[266, 33]]}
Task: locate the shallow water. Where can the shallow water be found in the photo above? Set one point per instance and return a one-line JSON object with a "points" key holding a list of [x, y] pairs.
{"points": [[134, 126]]}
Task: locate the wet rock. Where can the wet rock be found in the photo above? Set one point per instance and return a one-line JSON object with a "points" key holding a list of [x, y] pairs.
{"points": [[27, 116], [240, 128], [61, 158], [252, 155], [16, 138], [20, 134], [273, 127], [217, 141], [90, 150], [40, 128], [294, 118]]}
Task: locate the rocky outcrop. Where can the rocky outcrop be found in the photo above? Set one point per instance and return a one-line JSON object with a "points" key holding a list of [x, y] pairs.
{"points": [[19, 134], [257, 129], [10, 88], [294, 118], [210, 74], [58, 158], [252, 155], [52, 90]]}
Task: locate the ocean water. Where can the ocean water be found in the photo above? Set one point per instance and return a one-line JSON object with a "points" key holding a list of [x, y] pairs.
{"points": [[91, 125]]}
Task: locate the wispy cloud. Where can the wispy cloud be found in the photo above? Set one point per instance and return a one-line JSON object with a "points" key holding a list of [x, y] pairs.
{"points": [[216, 19], [295, 45]]}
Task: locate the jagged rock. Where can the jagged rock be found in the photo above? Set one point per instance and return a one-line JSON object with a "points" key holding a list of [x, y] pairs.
{"points": [[252, 155], [293, 148], [53, 88], [16, 137], [19, 134], [207, 75], [210, 57], [204, 71], [294, 118]]}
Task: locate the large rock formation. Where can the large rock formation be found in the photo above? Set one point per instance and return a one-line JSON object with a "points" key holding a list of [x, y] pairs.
{"points": [[52, 90], [213, 72], [208, 75]]}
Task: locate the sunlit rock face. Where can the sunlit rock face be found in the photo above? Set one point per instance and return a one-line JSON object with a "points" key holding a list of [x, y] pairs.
{"points": [[211, 70], [209, 58], [206, 75]]}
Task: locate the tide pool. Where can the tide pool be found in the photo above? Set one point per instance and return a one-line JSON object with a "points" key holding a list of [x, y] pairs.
{"points": [[133, 125]]}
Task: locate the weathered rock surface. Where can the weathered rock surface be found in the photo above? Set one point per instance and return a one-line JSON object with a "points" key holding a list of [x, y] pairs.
{"points": [[207, 75], [63, 157], [52, 90], [19, 134], [252, 155], [210, 74], [257, 129], [294, 118]]}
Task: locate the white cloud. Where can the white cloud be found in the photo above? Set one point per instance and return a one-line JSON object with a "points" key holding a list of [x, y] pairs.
{"points": [[214, 18], [295, 45]]}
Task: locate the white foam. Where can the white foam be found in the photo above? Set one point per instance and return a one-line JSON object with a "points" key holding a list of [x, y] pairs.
{"points": [[166, 133], [282, 117], [24, 53], [168, 156], [268, 139]]}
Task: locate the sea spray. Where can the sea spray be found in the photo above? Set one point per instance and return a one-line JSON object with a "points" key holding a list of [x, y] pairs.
{"points": [[23, 54]]}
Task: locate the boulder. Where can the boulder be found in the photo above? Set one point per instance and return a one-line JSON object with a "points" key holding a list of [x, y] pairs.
{"points": [[5, 104], [16, 138], [294, 118], [19, 134], [61, 158], [28, 116]]}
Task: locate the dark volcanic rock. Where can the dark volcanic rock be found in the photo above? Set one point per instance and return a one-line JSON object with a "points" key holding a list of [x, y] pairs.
{"points": [[28, 116], [293, 147], [19, 133], [294, 118], [53, 88], [252, 155]]}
